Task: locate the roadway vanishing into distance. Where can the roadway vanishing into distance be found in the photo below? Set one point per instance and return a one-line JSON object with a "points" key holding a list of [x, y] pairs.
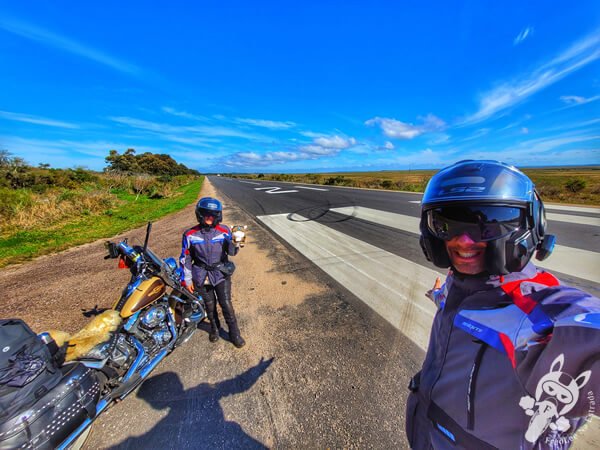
{"points": [[368, 242]]}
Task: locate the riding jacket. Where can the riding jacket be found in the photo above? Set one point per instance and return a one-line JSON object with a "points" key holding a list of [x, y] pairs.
{"points": [[513, 363], [203, 250]]}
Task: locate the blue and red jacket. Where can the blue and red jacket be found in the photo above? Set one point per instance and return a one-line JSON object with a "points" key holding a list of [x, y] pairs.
{"points": [[513, 363], [202, 249]]}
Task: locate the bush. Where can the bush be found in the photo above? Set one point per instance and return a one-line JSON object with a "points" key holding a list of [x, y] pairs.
{"points": [[575, 184]]}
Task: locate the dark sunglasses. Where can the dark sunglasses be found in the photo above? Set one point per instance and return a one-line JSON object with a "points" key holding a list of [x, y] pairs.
{"points": [[481, 223]]}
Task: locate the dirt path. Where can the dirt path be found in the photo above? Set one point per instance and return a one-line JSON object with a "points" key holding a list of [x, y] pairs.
{"points": [[319, 370]]}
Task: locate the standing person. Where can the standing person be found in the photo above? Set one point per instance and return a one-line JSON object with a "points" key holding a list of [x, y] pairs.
{"points": [[205, 250], [514, 357]]}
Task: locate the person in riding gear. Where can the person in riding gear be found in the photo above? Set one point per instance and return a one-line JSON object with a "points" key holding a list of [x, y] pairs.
{"points": [[513, 358], [205, 252]]}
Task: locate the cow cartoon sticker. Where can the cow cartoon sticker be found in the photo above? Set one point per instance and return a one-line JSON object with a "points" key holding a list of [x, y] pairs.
{"points": [[556, 394]]}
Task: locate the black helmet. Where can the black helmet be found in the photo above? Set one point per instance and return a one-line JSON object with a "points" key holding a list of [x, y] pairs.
{"points": [[492, 202], [209, 206]]}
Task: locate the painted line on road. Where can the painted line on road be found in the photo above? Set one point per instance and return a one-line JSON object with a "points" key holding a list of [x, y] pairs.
{"points": [[311, 188], [250, 182], [583, 209], [583, 220], [568, 260], [392, 286], [414, 201], [274, 190]]}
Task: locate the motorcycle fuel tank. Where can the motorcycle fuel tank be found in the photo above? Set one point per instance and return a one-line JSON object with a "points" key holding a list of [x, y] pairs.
{"points": [[146, 292]]}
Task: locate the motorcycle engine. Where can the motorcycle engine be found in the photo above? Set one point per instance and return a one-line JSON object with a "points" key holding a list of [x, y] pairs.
{"points": [[154, 328], [153, 317]]}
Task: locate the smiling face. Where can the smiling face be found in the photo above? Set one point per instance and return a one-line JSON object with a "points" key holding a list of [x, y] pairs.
{"points": [[466, 255]]}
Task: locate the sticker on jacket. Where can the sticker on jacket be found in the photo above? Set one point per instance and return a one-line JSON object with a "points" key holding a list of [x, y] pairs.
{"points": [[556, 394]]}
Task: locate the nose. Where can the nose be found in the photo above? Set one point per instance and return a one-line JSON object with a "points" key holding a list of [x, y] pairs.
{"points": [[465, 239]]}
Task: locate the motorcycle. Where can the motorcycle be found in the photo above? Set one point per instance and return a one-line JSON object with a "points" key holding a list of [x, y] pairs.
{"points": [[99, 365]]}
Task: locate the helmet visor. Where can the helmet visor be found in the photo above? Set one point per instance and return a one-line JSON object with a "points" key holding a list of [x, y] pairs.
{"points": [[481, 223]]}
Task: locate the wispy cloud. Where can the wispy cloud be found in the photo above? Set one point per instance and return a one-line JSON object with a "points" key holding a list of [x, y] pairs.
{"points": [[271, 124], [185, 114], [509, 94], [49, 38], [396, 129], [578, 100], [388, 145], [176, 132], [18, 117], [524, 34]]}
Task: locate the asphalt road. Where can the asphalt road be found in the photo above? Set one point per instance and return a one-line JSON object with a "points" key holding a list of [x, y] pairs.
{"points": [[577, 228]]}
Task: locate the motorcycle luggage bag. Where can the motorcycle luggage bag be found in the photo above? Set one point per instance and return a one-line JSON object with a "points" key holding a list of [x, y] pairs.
{"points": [[50, 420], [27, 369]]}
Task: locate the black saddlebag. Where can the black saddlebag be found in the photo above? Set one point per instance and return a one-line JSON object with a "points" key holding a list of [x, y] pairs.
{"points": [[40, 403]]}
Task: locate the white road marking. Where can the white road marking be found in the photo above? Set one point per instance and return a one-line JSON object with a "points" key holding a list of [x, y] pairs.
{"points": [[583, 209], [311, 188], [391, 285], [568, 260], [584, 220], [274, 190], [414, 201], [250, 182]]}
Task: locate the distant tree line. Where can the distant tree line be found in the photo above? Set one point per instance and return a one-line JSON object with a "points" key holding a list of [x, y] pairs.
{"points": [[145, 163], [16, 173]]}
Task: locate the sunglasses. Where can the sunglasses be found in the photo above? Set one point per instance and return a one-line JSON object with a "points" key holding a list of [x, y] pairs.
{"points": [[481, 223]]}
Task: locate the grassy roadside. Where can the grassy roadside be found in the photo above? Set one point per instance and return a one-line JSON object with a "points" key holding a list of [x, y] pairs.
{"points": [[24, 245]]}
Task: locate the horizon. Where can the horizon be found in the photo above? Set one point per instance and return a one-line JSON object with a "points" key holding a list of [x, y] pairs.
{"points": [[325, 88]]}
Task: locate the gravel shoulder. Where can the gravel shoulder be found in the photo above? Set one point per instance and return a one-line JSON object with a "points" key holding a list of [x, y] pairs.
{"points": [[319, 370]]}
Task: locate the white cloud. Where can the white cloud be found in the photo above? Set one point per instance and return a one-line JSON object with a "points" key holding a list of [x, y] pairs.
{"points": [[393, 128], [388, 145], [318, 150], [18, 117], [335, 142], [432, 123], [524, 34], [63, 43], [509, 94], [312, 134], [271, 124], [578, 100], [252, 159]]}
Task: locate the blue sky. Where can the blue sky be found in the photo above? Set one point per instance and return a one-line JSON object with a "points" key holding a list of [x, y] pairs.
{"points": [[304, 86]]}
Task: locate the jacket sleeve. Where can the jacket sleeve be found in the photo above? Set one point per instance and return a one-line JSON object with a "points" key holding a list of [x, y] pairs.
{"points": [[185, 261], [561, 371]]}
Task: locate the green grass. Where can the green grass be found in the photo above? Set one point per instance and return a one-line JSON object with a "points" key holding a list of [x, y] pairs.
{"points": [[24, 245]]}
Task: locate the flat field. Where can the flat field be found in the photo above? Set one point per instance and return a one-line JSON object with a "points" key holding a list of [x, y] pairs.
{"points": [[572, 185]]}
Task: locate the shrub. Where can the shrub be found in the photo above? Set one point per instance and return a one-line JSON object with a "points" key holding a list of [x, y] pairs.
{"points": [[575, 184]]}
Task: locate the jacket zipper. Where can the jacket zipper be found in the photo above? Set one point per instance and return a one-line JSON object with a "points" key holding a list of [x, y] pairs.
{"points": [[472, 385]]}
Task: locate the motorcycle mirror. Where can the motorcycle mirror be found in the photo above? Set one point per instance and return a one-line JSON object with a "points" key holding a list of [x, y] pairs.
{"points": [[113, 251]]}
